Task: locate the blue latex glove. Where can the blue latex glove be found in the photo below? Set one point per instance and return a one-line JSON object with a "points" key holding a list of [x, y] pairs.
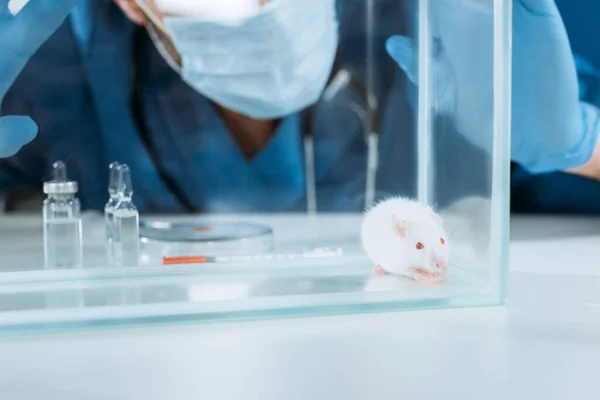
{"points": [[551, 128], [20, 37]]}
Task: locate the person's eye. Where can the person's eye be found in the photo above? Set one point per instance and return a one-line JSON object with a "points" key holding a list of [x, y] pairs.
{"points": [[442, 241], [420, 246]]}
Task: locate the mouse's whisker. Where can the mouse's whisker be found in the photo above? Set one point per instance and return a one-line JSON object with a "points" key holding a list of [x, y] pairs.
{"points": [[456, 229]]}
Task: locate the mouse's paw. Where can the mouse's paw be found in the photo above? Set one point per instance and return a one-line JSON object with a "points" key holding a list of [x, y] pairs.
{"points": [[379, 271], [422, 275], [435, 278], [418, 274]]}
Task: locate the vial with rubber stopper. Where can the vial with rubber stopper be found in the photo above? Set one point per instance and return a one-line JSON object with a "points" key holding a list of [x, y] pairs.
{"points": [[126, 223], [113, 200], [63, 248]]}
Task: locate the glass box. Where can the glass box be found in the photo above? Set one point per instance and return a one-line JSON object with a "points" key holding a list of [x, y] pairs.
{"points": [[255, 145]]}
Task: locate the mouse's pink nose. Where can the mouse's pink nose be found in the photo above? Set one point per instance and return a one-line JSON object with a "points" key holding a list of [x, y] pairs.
{"points": [[440, 264]]}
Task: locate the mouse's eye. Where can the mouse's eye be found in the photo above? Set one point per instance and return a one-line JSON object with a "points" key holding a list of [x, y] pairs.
{"points": [[420, 246], [442, 241]]}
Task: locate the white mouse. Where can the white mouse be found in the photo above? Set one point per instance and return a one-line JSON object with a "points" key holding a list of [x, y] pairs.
{"points": [[404, 237]]}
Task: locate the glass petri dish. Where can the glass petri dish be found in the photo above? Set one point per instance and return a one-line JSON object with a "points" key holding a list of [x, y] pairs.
{"points": [[160, 238]]}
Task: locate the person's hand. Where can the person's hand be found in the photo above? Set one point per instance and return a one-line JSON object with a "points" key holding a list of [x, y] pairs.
{"points": [[22, 32], [551, 129]]}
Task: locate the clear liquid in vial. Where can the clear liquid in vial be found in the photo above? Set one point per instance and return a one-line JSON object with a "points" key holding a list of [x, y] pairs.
{"points": [[126, 238], [108, 223], [63, 243]]}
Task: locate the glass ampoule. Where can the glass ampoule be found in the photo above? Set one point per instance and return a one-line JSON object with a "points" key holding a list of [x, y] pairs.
{"points": [[63, 247], [126, 222], [113, 200]]}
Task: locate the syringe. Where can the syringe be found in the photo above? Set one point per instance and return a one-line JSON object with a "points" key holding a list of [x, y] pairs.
{"points": [[319, 252]]}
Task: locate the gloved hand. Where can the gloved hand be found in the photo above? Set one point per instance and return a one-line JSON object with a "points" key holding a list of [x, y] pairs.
{"points": [[551, 128], [22, 32]]}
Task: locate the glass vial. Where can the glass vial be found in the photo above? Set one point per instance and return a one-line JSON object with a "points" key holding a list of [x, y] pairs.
{"points": [[113, 200], [63, 248], [126, 222]]}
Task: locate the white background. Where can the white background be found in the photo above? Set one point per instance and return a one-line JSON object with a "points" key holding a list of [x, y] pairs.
{"points": [[544, 345]]}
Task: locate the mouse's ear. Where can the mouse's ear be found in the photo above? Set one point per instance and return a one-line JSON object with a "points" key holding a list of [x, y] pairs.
{"points": [[400, 226], [436, 217]]}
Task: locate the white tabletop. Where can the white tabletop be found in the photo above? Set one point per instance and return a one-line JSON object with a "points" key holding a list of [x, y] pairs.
{"points": [[544, 345]]}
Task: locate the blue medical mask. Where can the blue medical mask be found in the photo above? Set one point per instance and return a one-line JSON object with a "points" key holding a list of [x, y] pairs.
{"points": [[267, 66]]}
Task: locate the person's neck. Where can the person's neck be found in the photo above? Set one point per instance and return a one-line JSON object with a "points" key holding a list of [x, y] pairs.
{"points": [[250, 134]]}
